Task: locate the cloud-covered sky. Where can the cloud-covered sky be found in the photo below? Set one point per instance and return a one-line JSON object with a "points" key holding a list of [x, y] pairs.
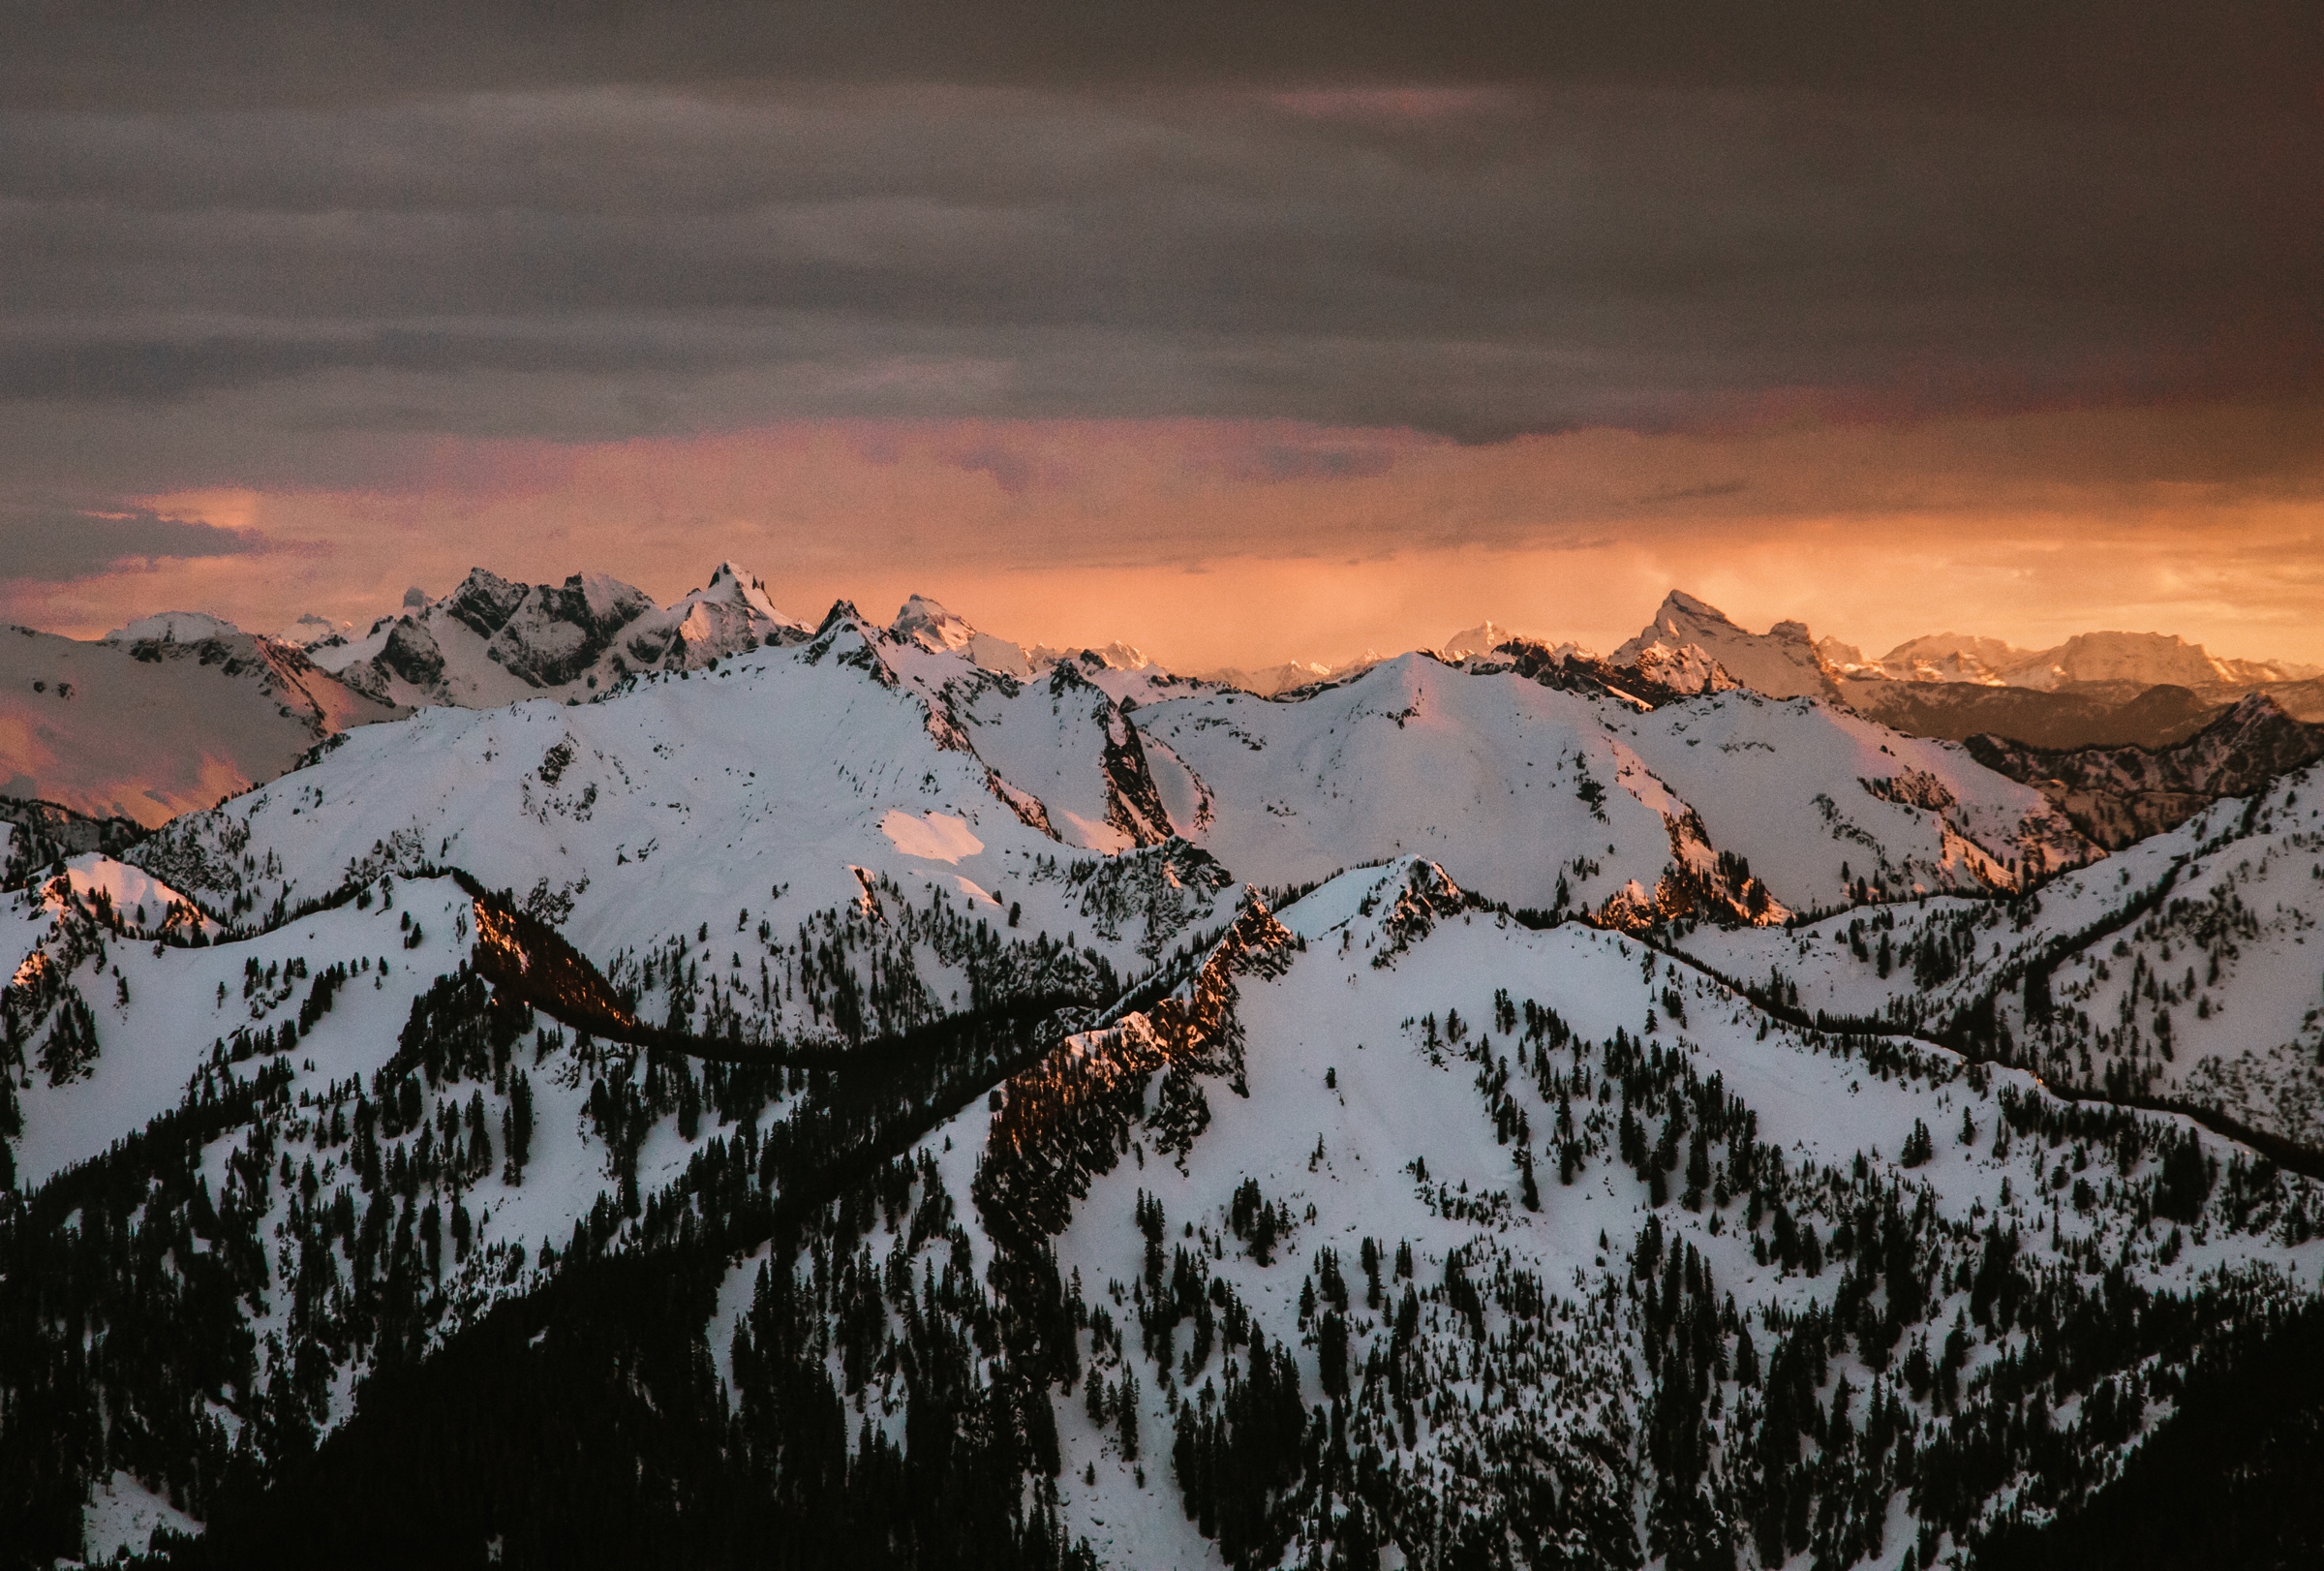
{"points": [[1226, 327]]}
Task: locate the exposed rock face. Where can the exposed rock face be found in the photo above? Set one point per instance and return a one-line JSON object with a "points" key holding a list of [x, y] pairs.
{"points": [[410, 653], [2118, 795], [485, 601], [547, 635], [492, 641], [1691, 646]]}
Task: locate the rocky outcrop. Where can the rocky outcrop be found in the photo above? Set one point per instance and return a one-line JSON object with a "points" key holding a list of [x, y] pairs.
{"points": [[493, 641], [1691, 646], [2118, 795]]}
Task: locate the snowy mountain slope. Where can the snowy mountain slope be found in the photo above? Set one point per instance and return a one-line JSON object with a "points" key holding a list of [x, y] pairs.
{"points": [[1520, 788], [492, 642], [158, 1009], [150, 728], [341, 1152], [2182, 969], [1448, 1239], [1437, 1235], [174, 627], [1064, 741], [784, 791], [38, 835], [1900, 814], [1506, 783], [1392, 1335]]}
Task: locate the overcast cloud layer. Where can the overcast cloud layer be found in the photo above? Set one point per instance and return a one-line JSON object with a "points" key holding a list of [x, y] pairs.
{"points": [[279, 248]]}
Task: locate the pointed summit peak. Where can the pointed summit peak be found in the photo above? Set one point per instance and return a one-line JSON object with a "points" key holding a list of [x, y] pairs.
{"points": [[928, 624], [735, 586], [925, 623], [1693, 646], [1679, 604], [1481, 640]]}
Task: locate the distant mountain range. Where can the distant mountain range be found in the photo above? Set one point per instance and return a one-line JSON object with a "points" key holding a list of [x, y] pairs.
{"points": [[179, 708], [2145, 658]]}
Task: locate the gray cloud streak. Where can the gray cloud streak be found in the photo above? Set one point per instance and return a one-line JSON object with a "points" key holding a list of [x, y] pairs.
{"points": [[59, 545]]}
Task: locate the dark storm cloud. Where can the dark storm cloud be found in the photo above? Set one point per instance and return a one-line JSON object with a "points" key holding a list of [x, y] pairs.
{"points": [[1508, 219], [57, 545], [2144, 56]]}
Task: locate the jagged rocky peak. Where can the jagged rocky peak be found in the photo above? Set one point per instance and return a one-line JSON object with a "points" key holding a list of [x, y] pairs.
{"points": [[927, 623], [841, 614], [727, 615], [491, 640], [736, 586], [1692, 646], [557, 635], [1838, 654]]}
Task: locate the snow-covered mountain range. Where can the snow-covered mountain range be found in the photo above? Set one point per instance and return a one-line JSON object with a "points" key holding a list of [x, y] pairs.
{"points": [[1532, 1108], [2147, 659]]}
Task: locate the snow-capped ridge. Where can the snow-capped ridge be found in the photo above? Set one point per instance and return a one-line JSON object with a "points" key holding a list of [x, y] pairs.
{"points": [[174, 627], [1389, 906]]}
